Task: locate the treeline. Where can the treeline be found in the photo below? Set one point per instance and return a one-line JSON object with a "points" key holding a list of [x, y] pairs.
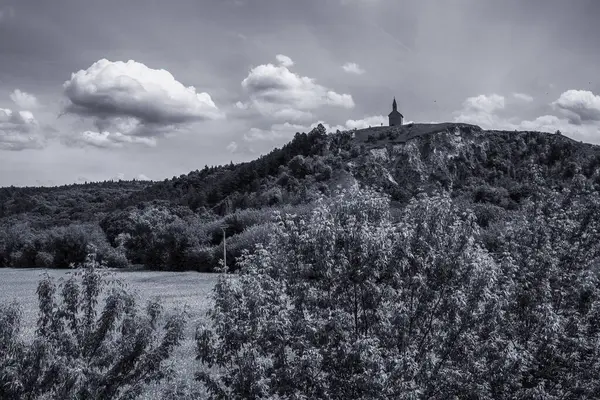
{"points": [[176, 224], [172, 231], [155, 235], [245, 185]]}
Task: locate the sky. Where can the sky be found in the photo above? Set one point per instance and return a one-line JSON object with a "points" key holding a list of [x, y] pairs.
{"points": [[148, 89]]}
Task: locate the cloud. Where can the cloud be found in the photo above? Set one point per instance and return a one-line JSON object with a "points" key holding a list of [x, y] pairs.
{"points": [[479, 110], [587, 132], [106, 140], [232, 147], [24, 100], [579, 106], [284, 60], [277, 92], [142, 177], [277, 131], [236, 148], [19, 131], [582, 121], [241, 105], [353, 68], [292, 114], [524, 97], [375, 120], [484, 103], [135, 100]]}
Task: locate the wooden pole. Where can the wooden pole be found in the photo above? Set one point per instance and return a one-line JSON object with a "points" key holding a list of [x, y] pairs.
{"points": [[224, 249]]}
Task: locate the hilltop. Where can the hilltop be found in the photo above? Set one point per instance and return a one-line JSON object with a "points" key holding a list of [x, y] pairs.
{"points": [[175, 223]]}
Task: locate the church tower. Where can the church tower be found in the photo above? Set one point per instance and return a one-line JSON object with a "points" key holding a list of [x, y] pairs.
{"points": [[395, 117]]}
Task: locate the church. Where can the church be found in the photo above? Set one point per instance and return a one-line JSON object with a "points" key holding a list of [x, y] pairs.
{"points": [[395, 117]]}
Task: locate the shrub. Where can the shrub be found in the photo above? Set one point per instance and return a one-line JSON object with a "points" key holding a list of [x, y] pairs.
{"points": [[69, 244], [201, 258], [315, 310], [81, 351], [115, 258], [246, 240], [244, 219], [345, 304], [43, 259]]}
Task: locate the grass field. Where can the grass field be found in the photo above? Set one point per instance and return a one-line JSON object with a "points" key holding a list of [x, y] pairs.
{"points": [[175, 289]]}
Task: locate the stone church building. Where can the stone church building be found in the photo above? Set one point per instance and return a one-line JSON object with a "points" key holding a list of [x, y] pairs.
{"points": [[395, 117]]}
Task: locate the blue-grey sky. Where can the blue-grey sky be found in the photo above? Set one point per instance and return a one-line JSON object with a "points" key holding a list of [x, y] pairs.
{"points": [[94, 90]]}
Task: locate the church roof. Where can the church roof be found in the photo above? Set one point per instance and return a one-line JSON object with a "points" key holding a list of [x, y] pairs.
{"points": [[395, 112]]}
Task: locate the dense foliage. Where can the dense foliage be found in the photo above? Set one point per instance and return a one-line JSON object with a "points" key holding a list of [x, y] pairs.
{"points": [[176, 224], [346, 303], [471, 270], [81, 351]]}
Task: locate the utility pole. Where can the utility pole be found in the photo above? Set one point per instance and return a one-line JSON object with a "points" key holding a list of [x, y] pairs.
{"points": [[224, 250]]}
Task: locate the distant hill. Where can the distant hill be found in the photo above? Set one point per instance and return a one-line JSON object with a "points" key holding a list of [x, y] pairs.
{"points": [[497, 168]]}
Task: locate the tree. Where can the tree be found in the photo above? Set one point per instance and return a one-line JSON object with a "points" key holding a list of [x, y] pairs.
{"points": [[346, 305], [79, 351]]}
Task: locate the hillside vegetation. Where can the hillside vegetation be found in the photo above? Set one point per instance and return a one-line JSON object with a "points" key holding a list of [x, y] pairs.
{"points": [[469, 269], [176, 224]]}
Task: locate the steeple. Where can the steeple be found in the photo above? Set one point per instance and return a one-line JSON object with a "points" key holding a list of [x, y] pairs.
{"points": [[395, 117]]}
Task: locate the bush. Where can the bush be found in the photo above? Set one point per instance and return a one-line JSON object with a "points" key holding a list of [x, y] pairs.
{"points": [[315, 311], [69, 244], [80, 351], [201, 258], [345, 304], [246, 240], [43, 259], [244, 219], [115, 258]]}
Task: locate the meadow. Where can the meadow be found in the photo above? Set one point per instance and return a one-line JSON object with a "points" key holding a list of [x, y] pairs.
{"points": [[175, 290]]}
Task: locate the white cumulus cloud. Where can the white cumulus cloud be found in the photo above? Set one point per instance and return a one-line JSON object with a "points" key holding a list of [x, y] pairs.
{"points": [[24, 100], [366, 122], [579, 106], [581, 121], [353, 68], [148, 101], [19, 131], [235, 148], [142, 177], [232, 147], [484, 103], [241, 105], [479, 110], [284, 60], [277, 92], [107, 140]]}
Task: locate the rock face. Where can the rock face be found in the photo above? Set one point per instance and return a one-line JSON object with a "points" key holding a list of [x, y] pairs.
{"points": [[426, 157]]}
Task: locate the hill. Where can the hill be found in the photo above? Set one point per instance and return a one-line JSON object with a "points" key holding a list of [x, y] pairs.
{"points": [[176, 223]]}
